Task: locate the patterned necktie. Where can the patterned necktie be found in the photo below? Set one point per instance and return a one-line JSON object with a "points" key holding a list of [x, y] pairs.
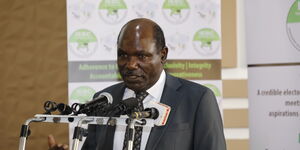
{"points": [[140, 96]]}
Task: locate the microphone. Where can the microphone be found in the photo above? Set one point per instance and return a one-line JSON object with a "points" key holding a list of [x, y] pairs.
{"points": [[157, 111], [49, 107], [64, 109], [124, 107], [151, 113], [103, 97], [95, 107]]}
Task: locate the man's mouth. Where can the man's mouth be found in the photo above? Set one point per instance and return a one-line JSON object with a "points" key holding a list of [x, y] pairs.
{"points": [[131, 77]]}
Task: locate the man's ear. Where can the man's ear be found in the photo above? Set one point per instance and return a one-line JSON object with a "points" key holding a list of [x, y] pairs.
{"points": [[163, 55]]}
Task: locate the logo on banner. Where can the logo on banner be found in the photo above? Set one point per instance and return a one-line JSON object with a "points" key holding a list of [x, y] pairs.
{"points": [[145, 9], [177, 42], [81, 10], [207, 10], [293, 24], [109, 42], [82, 94], [206, 41], [176, 11], [83, 43], [112, 11]]}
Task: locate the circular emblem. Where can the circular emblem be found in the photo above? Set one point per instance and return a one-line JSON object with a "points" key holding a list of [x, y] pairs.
{"points": [[176, 11], [178, 42], [206, 41], [293, 24], [82, 94], [83, 43], [206, 11], [109, 41], [112, 11], [81, 11], [145, 9]]}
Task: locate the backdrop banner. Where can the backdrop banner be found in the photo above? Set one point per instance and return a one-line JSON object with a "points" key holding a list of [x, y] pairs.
{"points": [[192, 30], [273, 51], [274, 95]]}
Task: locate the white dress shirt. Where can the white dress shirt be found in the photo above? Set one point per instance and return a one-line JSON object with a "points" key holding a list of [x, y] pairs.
{"points": [[155, 93]]}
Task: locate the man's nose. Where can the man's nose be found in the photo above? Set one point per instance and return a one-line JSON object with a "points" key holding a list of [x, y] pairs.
{"points": [[132, 63]]}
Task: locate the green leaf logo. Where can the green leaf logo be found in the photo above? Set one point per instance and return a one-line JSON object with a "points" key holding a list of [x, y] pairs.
{"points": [[294, 13], [83, 42], [82, 94], [176, 6], [176, 11], [112, 11], [293, 24], [206, 36], [207, 41], [83, 37], [112, 6]]}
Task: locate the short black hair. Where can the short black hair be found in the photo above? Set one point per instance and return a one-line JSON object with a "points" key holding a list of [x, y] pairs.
{"points": [[159, 37]]}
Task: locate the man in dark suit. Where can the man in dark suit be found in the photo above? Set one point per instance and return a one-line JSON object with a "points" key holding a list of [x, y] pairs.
{"points": [[194, 122]]}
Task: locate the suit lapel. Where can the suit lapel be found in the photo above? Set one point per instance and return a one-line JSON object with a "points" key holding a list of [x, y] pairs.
{"points": [[170, 97], [117, 93]]}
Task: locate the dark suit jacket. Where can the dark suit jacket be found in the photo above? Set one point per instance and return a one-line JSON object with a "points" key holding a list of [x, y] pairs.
{"points": [[193, 124]]}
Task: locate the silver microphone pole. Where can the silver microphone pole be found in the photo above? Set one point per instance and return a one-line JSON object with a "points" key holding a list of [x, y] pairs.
{"points": [[78, 132], [81, 120], [25, 131], [131, 130]]}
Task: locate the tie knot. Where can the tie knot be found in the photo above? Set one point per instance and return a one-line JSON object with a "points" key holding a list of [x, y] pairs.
{"points": [[140, 96]]}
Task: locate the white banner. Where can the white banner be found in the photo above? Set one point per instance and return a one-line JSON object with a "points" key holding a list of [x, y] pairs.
{"points": [[273, 55], [274, 108], [272, 31], [192, 29]]}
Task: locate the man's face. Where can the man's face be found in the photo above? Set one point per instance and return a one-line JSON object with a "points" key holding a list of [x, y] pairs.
{"points": [[140, 62]]}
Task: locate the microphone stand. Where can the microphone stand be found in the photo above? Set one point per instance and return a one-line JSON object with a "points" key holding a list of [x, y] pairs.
{"points": [[131, 123], [25, 131], [79, 131], [131, 132]]}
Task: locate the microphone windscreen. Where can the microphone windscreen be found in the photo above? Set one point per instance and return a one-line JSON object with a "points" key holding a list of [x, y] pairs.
{"points": [[130, 103], [103, 97], [50, 106], [108, 97], [153, 112], [64, 109], [124, 107]]}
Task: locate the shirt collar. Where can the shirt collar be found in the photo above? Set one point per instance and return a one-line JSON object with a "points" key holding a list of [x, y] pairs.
{"points": [[155, 91]]}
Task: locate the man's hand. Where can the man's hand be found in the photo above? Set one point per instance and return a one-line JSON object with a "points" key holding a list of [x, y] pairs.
{"points": [[54, 146]]}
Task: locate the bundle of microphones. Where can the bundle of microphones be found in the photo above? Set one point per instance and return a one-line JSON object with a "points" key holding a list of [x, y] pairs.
{"points": [[102, 106]]}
